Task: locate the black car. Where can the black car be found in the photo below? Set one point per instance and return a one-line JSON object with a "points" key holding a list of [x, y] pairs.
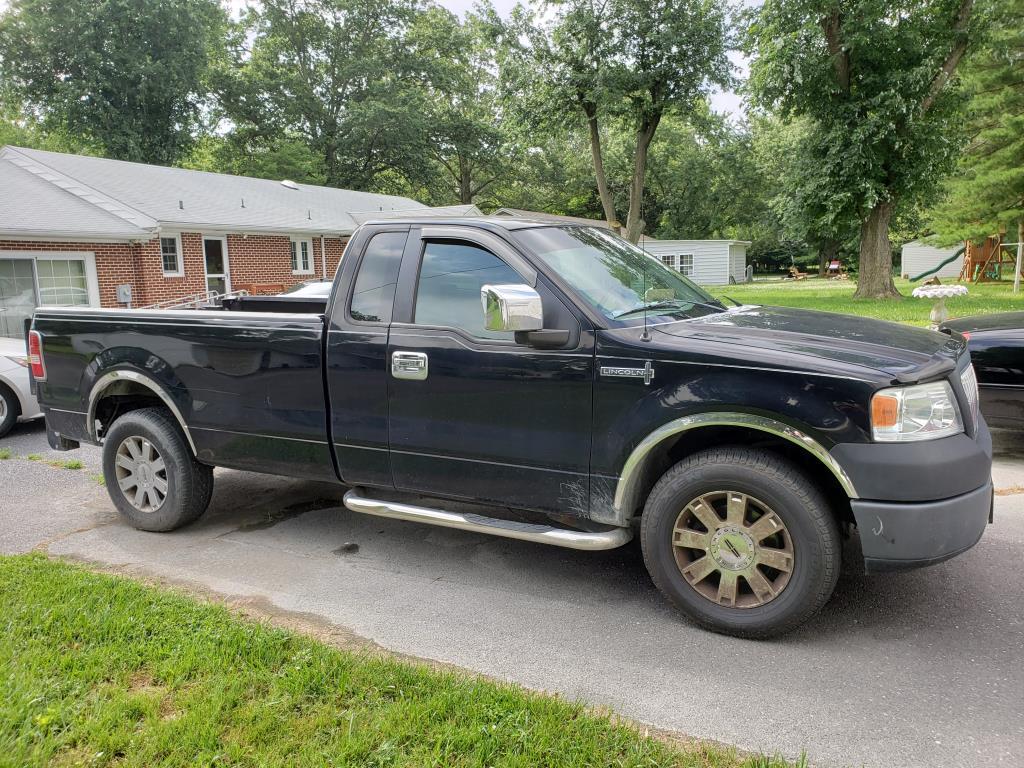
{"points": [[996, 344]]}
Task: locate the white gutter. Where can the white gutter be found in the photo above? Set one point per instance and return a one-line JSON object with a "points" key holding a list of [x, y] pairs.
{"points": [[323, 256]]}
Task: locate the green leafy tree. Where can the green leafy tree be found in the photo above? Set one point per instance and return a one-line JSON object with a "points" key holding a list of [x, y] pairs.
{"points": [[801, 197], [335, 74], [634, 61], [708, 182], [124, 76], [875, 81], [465, 131], [986, 195]]}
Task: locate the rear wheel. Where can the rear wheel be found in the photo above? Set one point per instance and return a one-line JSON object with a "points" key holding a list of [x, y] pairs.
{"points": [[741, 541], [10, 409], [150, 473]]}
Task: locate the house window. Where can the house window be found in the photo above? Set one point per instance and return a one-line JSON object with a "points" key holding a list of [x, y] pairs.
{"points": [[680, 262], [170, 253], [62, 283], [302, 257], [33, 279], [685, 265]]}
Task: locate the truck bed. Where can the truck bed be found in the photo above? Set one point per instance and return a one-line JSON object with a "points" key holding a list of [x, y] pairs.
{"points": [[249, 385]]}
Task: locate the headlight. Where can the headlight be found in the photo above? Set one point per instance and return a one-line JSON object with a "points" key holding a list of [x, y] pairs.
{"points": [[918, 412]]}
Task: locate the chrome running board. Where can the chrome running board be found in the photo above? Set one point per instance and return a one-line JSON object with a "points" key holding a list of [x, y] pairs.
{"points": [[510, 529]]}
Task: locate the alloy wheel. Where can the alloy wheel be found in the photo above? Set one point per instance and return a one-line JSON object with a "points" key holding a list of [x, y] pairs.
{"points": [[141, 474], [733, 549]]}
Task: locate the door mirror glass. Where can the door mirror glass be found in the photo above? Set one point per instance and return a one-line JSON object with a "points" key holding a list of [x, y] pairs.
{"points": [[511, 308]]}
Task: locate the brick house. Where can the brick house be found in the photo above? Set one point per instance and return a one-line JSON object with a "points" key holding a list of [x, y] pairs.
{"points": [[73, 229]]}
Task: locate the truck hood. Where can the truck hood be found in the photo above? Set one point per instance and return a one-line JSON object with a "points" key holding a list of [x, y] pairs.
{"points": [[999, 321], [799, 337]]}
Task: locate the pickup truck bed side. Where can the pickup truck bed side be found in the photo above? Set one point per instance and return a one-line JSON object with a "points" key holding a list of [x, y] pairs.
{"points": [[248, 386]]}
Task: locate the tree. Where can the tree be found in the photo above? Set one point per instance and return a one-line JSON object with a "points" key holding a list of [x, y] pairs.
{"points": [[803, 199], [635, 61], [336, 74], [875, 81], [465, 131], [126, 76], [987, 193], [707, 181]]}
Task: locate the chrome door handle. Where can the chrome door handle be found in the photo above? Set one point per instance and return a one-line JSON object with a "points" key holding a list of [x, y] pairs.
{"points": [[409, 365]]}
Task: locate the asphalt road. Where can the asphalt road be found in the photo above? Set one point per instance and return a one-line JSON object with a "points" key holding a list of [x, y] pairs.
{"points": [[919, 669]]}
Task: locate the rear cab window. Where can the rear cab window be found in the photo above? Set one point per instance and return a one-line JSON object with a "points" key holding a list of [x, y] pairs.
{"points": [[373, 292]]}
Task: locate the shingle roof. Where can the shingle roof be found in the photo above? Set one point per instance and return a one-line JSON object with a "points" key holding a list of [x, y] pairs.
{"points": [[145, 197], [33, 206]]}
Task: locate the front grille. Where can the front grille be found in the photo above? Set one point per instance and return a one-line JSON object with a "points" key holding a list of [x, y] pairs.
{"points": [[969, 380]]}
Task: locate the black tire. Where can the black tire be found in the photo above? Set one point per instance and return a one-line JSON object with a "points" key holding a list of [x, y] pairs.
{"points": [[188, 484], [10, 407], [810, 527]]}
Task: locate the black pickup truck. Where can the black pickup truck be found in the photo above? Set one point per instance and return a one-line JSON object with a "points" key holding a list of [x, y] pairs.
{"points": [[553, 384]]}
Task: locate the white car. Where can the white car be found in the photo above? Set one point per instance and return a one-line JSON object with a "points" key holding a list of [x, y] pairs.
{"points": [[17, 403]]}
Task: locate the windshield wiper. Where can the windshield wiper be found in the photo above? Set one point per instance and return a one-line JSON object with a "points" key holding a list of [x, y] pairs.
{"points": [[670, 304]]}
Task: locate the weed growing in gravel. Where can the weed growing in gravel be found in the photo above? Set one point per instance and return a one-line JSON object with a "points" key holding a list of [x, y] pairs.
{"points": [[66, 463], [5, 453], [35, 457]]}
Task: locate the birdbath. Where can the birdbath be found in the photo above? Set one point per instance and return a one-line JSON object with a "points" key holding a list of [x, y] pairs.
{"points": [[939, 293]]}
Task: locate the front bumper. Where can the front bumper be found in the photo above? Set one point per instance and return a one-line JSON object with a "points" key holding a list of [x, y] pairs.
{"points": [[899, 535]]}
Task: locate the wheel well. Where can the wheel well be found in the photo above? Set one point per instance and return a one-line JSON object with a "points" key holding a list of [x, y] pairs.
{"points": [[119, 398], [673, 450]]}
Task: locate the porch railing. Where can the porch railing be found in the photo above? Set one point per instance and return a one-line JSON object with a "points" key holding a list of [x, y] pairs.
{"points": [[196, 301]]}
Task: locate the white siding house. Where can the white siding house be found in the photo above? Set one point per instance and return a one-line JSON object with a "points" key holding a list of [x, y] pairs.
{"points": [[707, 262], [917, 257]]}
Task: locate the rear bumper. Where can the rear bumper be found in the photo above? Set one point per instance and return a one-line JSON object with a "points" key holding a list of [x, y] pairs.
{"points": [[900, 535]]}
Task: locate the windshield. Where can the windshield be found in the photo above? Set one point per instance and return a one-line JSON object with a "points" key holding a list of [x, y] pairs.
{"points": [[616, 278]]}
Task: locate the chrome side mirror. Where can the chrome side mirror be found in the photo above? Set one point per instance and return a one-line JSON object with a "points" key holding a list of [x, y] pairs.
{"points": [[511, 308]]}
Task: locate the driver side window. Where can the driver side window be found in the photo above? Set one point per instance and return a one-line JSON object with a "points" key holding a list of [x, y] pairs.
{"points": [[448, 288]]}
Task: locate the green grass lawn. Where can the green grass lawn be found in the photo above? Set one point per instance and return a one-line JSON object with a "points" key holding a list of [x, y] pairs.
{"points": [[99, 670], [837, 296]]}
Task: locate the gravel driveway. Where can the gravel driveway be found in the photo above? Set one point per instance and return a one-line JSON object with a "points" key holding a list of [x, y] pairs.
{"points": [[923, 668]]}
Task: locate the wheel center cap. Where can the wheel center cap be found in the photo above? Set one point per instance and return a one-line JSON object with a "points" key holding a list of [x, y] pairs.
{"points": [[732, 548], [144, 474]]}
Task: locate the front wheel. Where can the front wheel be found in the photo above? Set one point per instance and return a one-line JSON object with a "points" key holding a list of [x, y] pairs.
{"points": [[741, 542], [150, 473]]}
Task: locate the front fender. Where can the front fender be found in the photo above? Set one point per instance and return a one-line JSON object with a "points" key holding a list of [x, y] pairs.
{"points": [[629, 485]]}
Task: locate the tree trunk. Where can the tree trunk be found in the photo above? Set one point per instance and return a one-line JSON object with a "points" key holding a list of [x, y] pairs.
{"points": [[827, 250], [1020, 256], [331, 165], [465, 182], [644, 136], [607, 202], [875, 278]]}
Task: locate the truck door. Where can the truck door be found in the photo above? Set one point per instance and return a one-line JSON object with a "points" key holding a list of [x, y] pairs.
{"points": [[472, 413], [357, 367]]}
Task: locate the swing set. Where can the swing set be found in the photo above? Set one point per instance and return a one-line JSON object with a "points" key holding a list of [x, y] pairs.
{"points": [[984, 262]]}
